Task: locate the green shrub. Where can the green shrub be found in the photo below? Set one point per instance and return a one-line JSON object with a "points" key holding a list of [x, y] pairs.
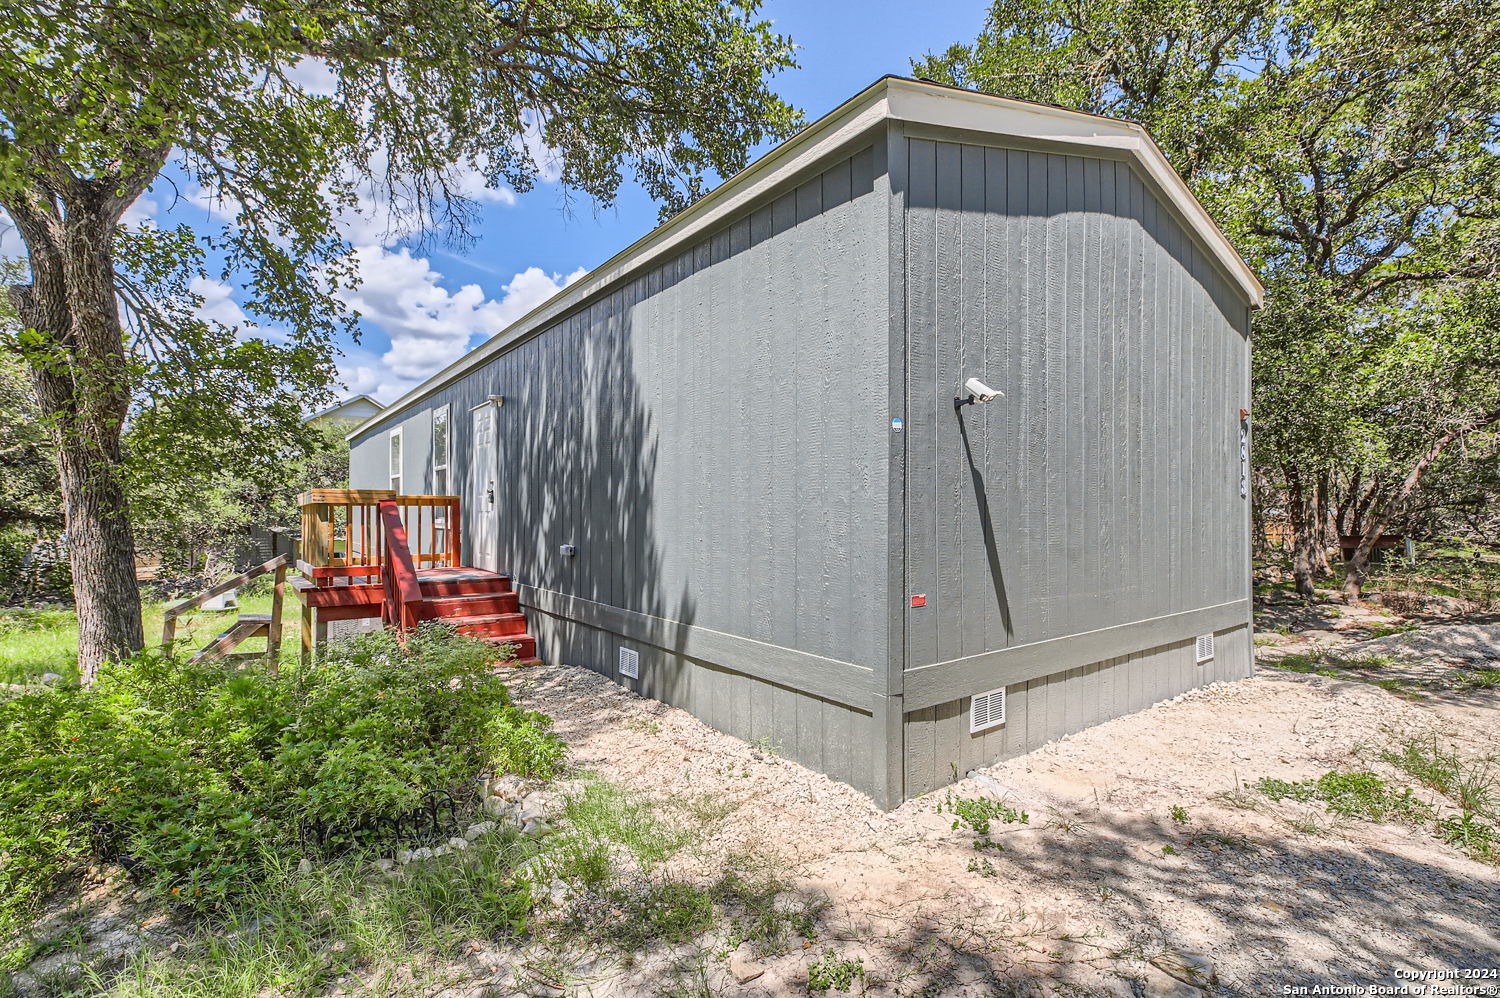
{"points": [[195, 775]]}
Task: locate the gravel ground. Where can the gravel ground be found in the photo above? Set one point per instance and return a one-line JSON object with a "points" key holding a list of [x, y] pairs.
{"points": [[1102, 879], [1468, 644]]}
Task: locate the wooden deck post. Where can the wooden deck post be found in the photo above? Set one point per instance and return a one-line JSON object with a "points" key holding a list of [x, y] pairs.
{"points": [[307, 633]]}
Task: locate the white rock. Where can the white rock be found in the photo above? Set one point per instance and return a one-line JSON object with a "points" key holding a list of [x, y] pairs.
{"points": [[507, 786], [537, 827], [478, 829], [458, 843], [497, 807], [744, 966], [441, 850], [531, 814], [385, 865], [304, 867], [421, 854], [1193, 968], [403, 856], [49, 678], [1155, 984]]}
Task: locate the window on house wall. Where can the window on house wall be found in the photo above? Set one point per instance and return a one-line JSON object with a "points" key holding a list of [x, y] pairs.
{"points": [[396, 461], [440, 451]]}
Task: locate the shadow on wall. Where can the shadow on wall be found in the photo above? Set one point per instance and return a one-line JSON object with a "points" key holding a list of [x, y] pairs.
{"points": [[579, 455], [987, 527]]}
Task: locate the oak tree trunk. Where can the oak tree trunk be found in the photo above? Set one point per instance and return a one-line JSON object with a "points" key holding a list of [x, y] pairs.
{"points": [[1305, 530], [80, 372], [1323, 517], [1358, 566]]}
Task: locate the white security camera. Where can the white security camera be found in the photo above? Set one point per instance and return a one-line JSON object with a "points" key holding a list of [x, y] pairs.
{"points": [[977, 391], [980, 390]]}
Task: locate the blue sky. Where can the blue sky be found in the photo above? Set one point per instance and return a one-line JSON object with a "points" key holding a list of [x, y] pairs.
{"points": [[424, 306], [528, 245]]}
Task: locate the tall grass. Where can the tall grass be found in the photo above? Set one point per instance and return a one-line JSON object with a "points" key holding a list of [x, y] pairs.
{"points": [[36, 641]]}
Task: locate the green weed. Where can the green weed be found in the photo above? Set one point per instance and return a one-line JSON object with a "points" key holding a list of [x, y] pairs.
{"points": [[977, 813], [1180, 815], [296, 934], [1385, 630], [1466, 832], [1356, 795], [832, 972], [1471, 786]]}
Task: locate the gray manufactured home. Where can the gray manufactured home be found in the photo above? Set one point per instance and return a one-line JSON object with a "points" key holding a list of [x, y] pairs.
{"points": [[737, 467]]}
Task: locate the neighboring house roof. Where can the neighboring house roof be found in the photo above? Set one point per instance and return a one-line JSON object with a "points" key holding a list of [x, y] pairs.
{"points": [[915, 103], [356, 408]]}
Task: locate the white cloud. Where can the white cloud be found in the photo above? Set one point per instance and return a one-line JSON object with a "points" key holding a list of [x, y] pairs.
{"points": [[218, 302], [547, 160], [10, 239], [429, 325], [313, 77], [375, 219]]}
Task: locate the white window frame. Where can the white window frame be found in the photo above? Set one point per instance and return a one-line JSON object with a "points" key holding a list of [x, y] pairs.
{"points": [[440, 520], [395, 458], [442, 462]]}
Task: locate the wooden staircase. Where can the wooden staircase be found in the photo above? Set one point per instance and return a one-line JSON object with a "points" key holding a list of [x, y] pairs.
{"points": [[389, 567], [244, 627], [477, 603]]}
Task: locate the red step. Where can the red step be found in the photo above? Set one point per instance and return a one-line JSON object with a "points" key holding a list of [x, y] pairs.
{"points": [[486, 625], [478, 605], [496, 632], [461, 582]]}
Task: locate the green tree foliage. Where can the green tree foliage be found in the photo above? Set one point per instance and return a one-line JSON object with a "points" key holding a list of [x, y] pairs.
{"points": [[28, 473], [197, 517], [1350, 150], [96, 100]]}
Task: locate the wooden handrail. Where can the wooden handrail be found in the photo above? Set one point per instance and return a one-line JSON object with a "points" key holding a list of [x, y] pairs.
{"points": [[277, 564], [170, 614], [398, 571]]}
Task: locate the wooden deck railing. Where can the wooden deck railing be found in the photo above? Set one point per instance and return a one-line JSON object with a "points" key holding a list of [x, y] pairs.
{"points": [[344, 536], [398, 575]]}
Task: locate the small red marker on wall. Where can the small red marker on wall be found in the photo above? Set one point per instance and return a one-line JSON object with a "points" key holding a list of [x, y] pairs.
{"points": [[919, 599]]}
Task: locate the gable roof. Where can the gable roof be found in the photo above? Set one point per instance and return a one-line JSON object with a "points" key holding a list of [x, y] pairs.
{"points": [[890, 99], [347, 403]]}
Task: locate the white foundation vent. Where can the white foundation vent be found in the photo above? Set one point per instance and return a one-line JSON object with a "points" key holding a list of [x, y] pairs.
{"points": [[1205, 648], [987, 710], [630, 663]]}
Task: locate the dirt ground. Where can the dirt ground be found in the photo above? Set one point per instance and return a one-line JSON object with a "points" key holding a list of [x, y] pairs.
{"points": [[1106, 882]]}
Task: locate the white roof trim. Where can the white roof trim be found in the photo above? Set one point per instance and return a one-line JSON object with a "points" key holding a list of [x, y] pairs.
{"points": [[890, 98]]}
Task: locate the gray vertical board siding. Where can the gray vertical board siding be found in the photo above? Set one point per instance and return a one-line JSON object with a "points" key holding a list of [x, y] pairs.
{"points": [[1102, 488], [711, 434], [940, 745], [922, 418], [367, 461]]}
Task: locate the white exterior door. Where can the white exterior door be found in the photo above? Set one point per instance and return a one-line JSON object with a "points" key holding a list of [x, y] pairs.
{"points": [[480, 494]]}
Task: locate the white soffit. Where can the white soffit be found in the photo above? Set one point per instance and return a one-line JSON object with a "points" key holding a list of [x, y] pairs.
{"points": [[890, 98]]}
